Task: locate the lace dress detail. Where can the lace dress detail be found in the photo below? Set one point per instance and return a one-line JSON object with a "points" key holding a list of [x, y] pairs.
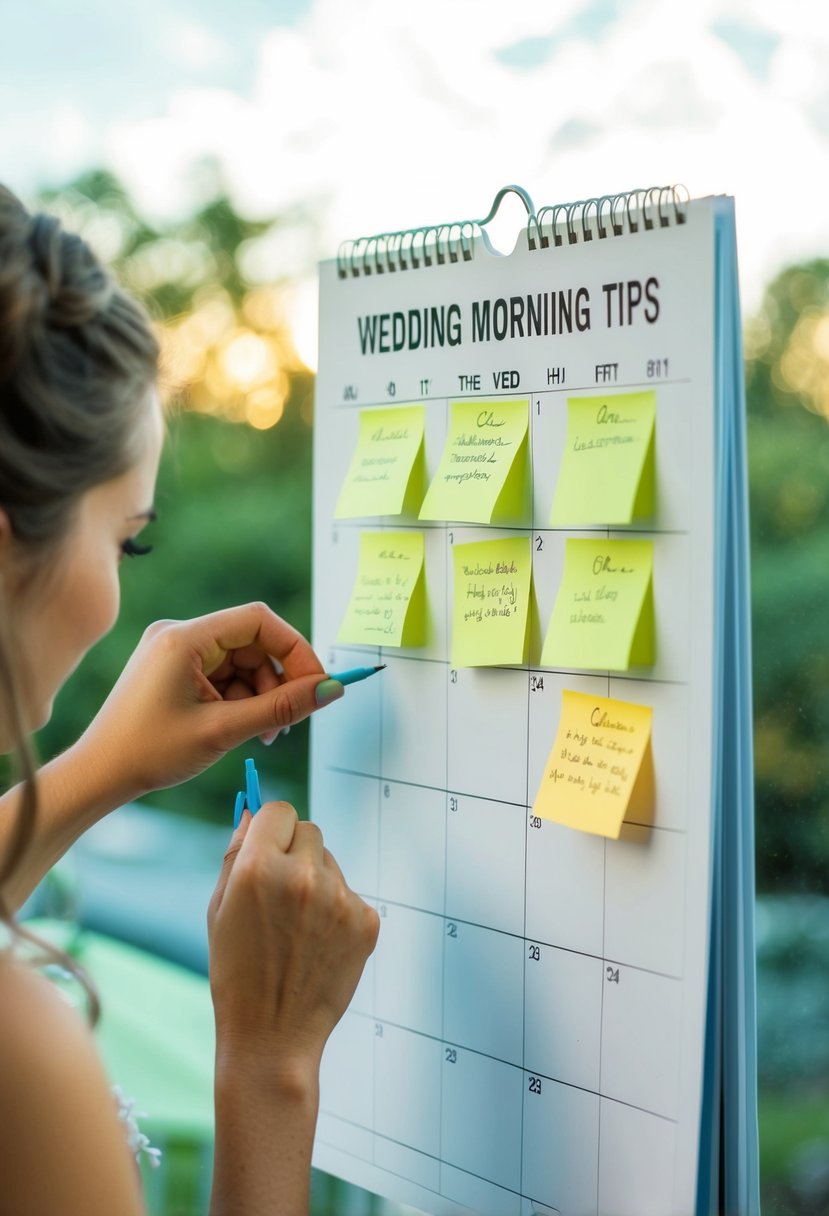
{"points": [[139, 1144]]}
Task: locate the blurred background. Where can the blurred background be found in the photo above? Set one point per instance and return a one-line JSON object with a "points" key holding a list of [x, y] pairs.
{"points": [[213, 154]]}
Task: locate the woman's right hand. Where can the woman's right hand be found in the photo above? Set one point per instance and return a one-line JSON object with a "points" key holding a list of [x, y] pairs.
{"points": [[288, 942]]}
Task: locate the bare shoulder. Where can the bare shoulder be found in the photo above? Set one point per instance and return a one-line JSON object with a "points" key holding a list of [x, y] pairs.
{"points": [[62, 1147]]}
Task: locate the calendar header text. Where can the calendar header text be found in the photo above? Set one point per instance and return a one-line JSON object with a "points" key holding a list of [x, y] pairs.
{"points": [[541, 314]]}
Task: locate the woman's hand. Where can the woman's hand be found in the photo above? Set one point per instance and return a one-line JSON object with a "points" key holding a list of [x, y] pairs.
{"points": [[193, 690], [288, 943]]}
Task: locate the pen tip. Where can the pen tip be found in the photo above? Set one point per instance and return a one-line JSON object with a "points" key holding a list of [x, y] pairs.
{"points": [[380, 667]]}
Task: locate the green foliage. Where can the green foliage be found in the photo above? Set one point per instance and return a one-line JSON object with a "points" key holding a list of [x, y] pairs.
{"points": [[789, 503]]}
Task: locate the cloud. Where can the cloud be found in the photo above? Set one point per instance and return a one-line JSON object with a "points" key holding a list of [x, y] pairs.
{"points": [[382, 117]]}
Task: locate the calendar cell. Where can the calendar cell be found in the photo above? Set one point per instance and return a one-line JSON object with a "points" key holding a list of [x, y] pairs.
{"points": [[645, 899], [410, 1064], [350, 835], [487, 748], [349, 740], [479, 1197], [641, 1027], [412, 845], [562, 1015], [407, 1163], [565, 887], [344, 1137], [409, 688], [408, 969], [485, 862], [548, 428], [481, 1117], [636, 1167], [483, 981], [561, 1147], [347, 1070]]}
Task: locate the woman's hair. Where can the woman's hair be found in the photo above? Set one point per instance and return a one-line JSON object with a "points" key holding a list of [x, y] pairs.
{"points": [[77, 358]]}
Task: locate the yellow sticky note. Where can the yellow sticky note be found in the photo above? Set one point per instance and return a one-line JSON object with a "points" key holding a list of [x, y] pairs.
{"points": [[603, 614], [601, 766], [387, 471], [607, 471], [492, 599], [482, 475], [388, 603]]}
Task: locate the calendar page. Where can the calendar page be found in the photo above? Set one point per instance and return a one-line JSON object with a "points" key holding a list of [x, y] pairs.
{"points": [[529, 1034]]}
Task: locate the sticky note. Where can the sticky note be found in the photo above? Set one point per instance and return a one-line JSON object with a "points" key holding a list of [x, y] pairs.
{"points": [[387, 471], [482, 475], [600, 769], [607, 470], [603, 614], [491, 602], [388, 603]]}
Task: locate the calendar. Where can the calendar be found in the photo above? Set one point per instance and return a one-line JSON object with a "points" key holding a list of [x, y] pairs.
{"points": [[523, 466]]}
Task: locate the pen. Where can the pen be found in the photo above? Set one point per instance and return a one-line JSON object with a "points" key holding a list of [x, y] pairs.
{"points": [[355, 674]]}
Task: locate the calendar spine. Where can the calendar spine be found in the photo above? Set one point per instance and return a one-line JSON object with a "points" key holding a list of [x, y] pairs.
{"points": [[590, 219]]}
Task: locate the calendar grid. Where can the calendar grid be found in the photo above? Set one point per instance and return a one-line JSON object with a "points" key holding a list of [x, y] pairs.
{"points": [[558, 1077]]}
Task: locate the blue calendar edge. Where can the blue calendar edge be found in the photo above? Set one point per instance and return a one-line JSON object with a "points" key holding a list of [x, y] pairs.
{"points": [[728, 1173]]}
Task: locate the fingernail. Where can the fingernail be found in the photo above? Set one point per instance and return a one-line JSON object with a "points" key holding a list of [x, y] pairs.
{"points": [[328, 691]]}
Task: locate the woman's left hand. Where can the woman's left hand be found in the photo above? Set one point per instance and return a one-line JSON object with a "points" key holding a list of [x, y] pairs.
{"points": [[193, 690]]}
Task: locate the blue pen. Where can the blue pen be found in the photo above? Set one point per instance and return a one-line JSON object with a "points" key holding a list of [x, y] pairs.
{"points": [[251, 797], [355, 674]]}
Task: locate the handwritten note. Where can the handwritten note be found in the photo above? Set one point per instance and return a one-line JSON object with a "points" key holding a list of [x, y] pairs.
{"points": [[482, 475], [600, 769], [603, 614], [388, 603], [492, 599], [607, 472], [387, 471]]}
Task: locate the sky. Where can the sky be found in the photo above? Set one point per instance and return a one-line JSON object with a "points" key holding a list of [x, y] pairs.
{"points": [[374, 115]]}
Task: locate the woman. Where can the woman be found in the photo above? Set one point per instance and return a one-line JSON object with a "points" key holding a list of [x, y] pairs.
{"points": [[80, 438]]}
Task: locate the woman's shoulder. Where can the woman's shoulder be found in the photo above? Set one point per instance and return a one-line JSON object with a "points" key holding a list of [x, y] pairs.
{"points": [[34, 1016], [45, 1044], [60, 1125]]}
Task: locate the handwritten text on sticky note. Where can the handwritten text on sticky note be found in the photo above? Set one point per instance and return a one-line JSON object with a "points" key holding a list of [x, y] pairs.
{"points": [[386, 474], [603, 614], [491, 601], [607, 470], [387, 606], [482, 475], [600, 768]]}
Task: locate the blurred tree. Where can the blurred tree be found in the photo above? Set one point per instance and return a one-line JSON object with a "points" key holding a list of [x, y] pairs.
{"points": [[787, 377]]}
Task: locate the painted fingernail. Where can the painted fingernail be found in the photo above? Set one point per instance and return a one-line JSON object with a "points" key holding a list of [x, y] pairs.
{"points": [[328, 691]]}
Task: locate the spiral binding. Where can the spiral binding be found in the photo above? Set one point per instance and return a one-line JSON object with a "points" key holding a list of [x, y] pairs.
{"points": [[602, 218]]}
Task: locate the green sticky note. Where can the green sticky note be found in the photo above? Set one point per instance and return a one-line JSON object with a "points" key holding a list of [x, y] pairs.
{"points": [[607, 471], [491, 602], [482, 475], [388, 602], [603, 614], [387, 471]]}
